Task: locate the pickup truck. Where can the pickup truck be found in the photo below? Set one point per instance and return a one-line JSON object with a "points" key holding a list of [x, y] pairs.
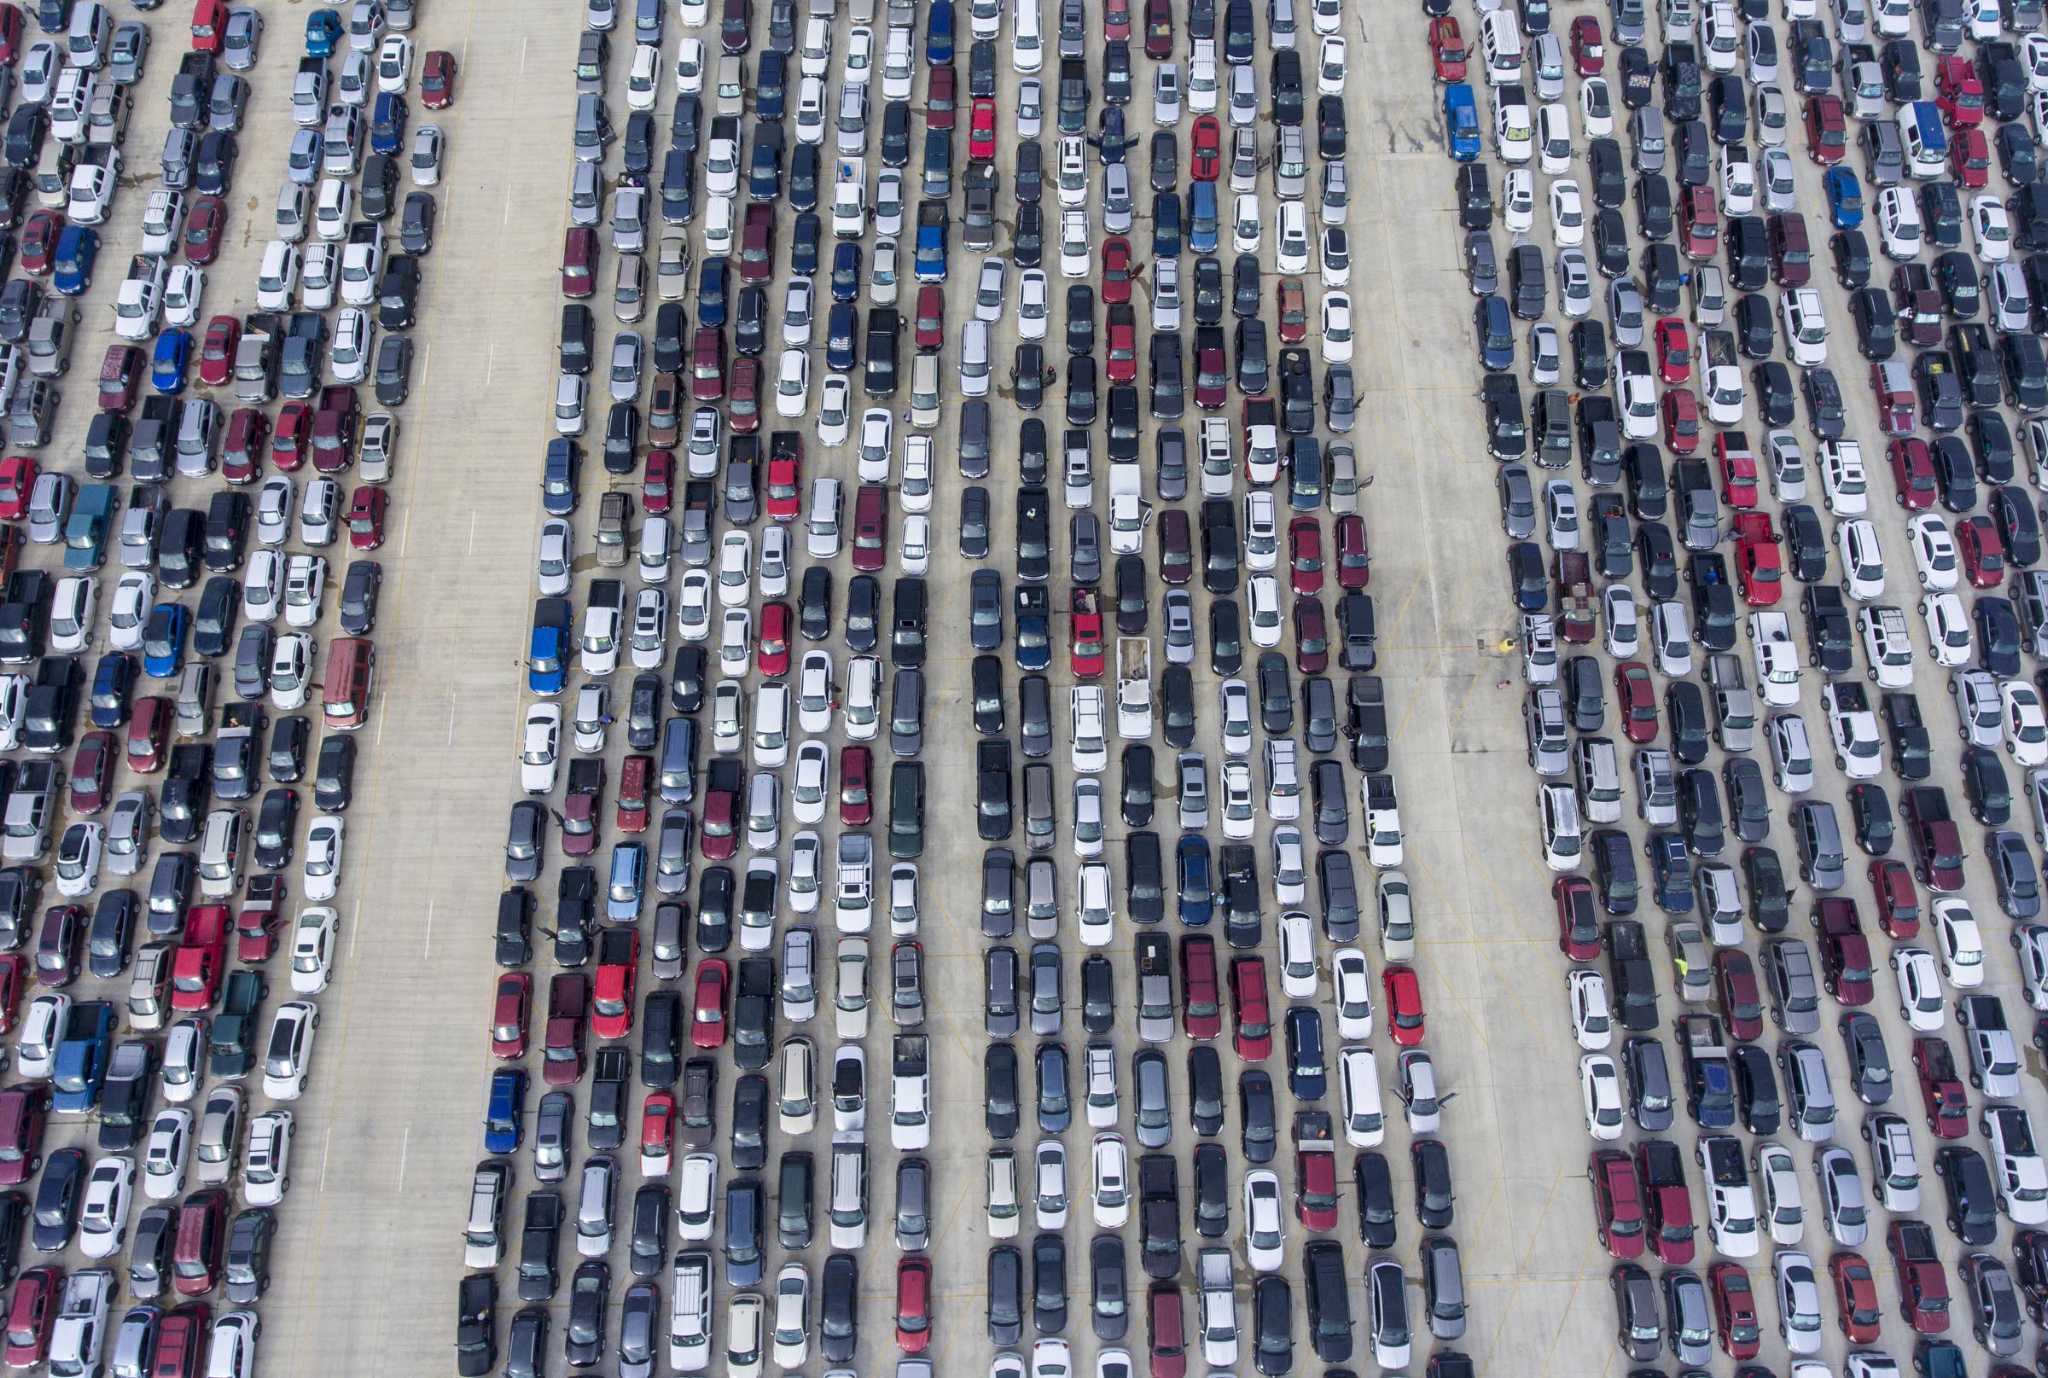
{"points": [[1734, 704], [1128, 509], [1936, 841], [548, 647], [1709, 1077], [753, 1014], [1993, 1052], [259, 918], [933, 225], [236, 750], [1731, 1200], [476, 1304], [81, 1061], [231, 1037], [124, 1098], [1759, 563], [256, 359], [538, 1242], [853, 904], [1134, 688], [1573, 575]]}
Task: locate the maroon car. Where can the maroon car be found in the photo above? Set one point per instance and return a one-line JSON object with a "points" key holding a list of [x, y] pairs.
{"points": [[203, 226], [870, 527], [92, 766]]}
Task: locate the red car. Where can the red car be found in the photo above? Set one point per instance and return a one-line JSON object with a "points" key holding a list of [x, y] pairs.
{"points": [[1293, 311], [242, 451], [217, 352], [757, 244], [743, 407], [929, 326], [92, 766], [630, 816], [1741, 999], [1447, 49], [32, 1316], [57, 945], [1898, 903], [1578, 926], [1404, 1004], [1617, 1203], [856, 800], [261, 915], [913, 1304], [1122, 365], [981, 130], [579, 262], [611, 1012], [508, 1015], [1923, 1286], [24, 1112], [771, 654], [580, 809], [1674, 351], [1827, 132], [10, 52], [1116, 18], [13, 981], [292, 436], [1941, 1090], [1759, 564], [1969, 158], [785, 475], [568, 995], [1844, 952], [870, 527], [39, 242], [658, 482], [366, 517], [1212, 373], [1311, 636], [334, 430], [1897, 410], [1206, 148], [1315, 1187], [1251, 1020], [657, 1132], [203, 226], [1635, 697], [1738, 470], [707, 364], [1959, 94], [201, 959], [17, 485], [1159, 29], [1085, 642], [1589, 54], [1166, 1338], [121, 369], [1856, 1308], [1354, 560], [1983, 551], [1116, 269], [1913, 482], [1202, 1002], [707, 1020], [1681, 421], [1735, 1321], [1305, 554], [717, 839], [437, 80]]}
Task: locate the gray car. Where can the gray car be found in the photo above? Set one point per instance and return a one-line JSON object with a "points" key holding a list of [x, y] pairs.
{"points": [[1517, 502]]}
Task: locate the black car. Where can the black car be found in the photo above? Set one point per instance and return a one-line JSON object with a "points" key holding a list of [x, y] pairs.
{"points": [[1966, 1182]]}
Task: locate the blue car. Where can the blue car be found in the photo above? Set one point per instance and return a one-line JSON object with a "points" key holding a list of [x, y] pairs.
{"points": [[1307, 1075], [1191, 858], [771, 86], [112, 681], [1204, 226], [167, 368], [803, 245], [163, 641], [845, 272], [387, 123], [505, 1113], [323, 31], [1166, 225], [711, 289], [1461, 121], [78, 248], [1845, 198], [842, 332], [938, 33]]}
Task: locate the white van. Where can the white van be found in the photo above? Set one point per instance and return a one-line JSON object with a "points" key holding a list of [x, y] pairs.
{"points": [[1500, 42], [862, 711], [718, 218], [689, 1317], [1898, 223], [1027, 41], [1365, 1124], [821, 526]]}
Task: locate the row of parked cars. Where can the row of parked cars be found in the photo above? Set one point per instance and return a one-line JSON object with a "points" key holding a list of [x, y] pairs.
{"points": [[1688, 313], [190, 1159], [774, 707]]}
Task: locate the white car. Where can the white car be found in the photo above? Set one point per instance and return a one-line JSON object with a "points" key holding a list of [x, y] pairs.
{"points": [[1592, 1016], [1961, 943], [1567, 213], [2026, 727], [1265, 1234], [312, 949], [324, 845], [809, 786], [1596, 107], [835, 409], [128, 611], [1862, 559], [394, 63], [1784, 1205], [1949, 637], [735, 568], [288, 1056], [540, 750], [266, 1165], [103, 1212], [1991, 227], [693, 606], [164, 1154], [1600, 1095], [1799, 1305], [184, 287], [793, 383], [1351, 978], [1518, 199], [2030, 944], [1934, 552], [1336, 338]]}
